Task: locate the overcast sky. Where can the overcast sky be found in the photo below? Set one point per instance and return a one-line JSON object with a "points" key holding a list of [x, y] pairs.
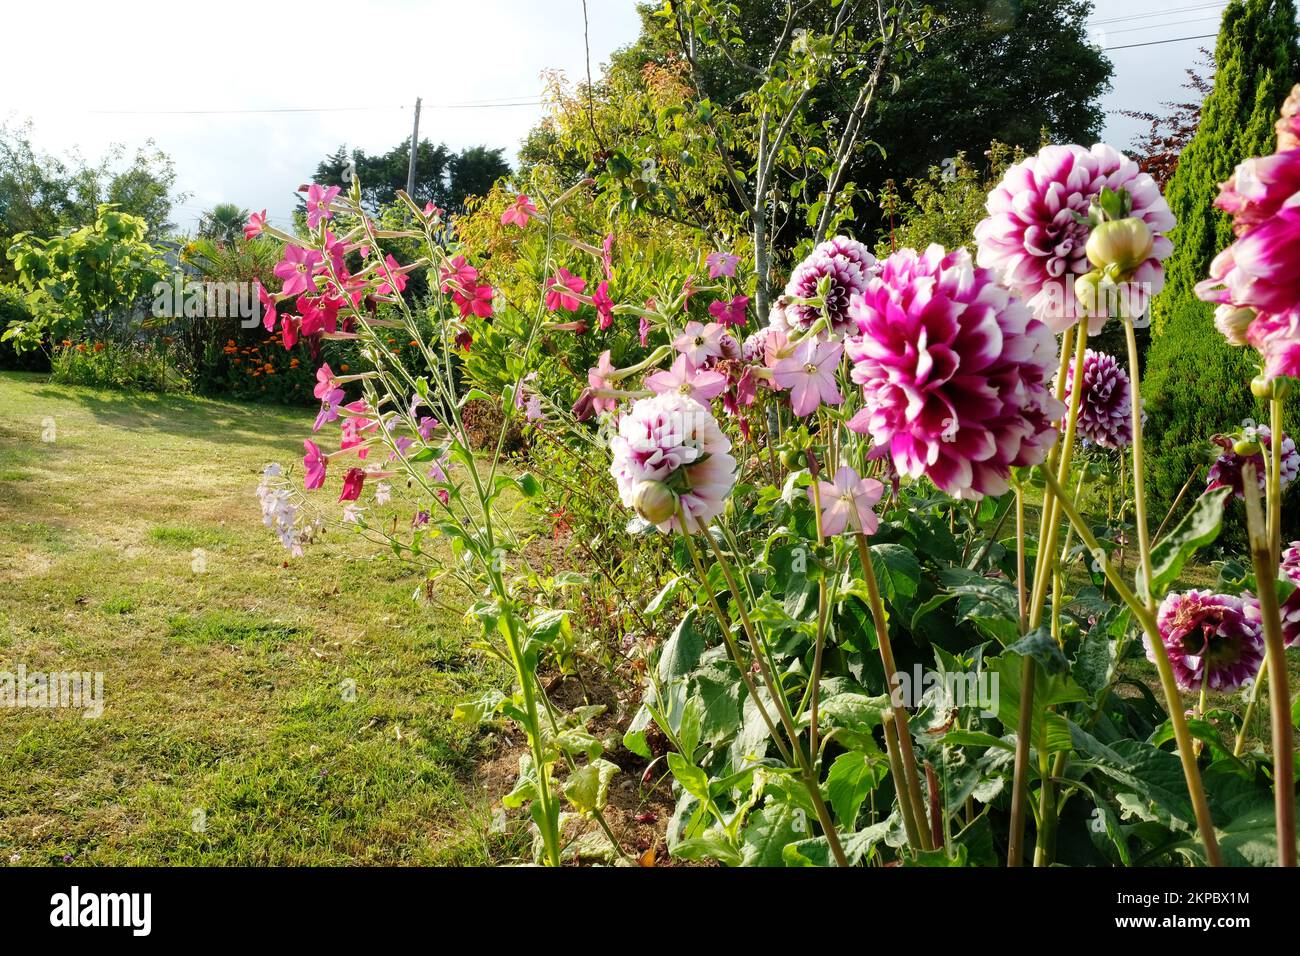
{"points": [[89, 74]]}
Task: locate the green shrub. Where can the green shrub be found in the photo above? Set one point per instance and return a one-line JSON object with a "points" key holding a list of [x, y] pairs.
{"points": [[14, 308], [136, 366]]}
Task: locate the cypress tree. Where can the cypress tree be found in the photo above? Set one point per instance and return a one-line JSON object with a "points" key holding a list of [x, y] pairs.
{"points": [[1196, 384]]}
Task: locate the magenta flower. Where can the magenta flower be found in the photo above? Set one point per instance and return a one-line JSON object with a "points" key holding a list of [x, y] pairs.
{"points": [[607, 256], [352, 482], [1034, 240], [721, 264], [296, 269], [560, 290], [1211, 639], [843, 266], [954, 373], [686, 378], [1105, 411], [318, 204], [848, 502], [314, 463], [519, 212], [256, 223], [672, 438], [604, 304], [399, 277], [809, 373], [267, 302], [1290, 571], [730, 313], [700, 343], [1225, 471]]}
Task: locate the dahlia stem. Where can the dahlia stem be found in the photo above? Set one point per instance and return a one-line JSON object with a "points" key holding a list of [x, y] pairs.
{"points": [[1279, 694], [910, 785], [1260, 677], [822, 602], [808, 774], [1043, 562], [1275, 480], [1147, 618]]}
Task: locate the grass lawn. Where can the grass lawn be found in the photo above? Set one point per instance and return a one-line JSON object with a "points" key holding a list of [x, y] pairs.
{"points": [[132, 544]]}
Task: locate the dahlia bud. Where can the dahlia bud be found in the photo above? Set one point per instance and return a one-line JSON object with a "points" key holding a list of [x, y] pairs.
{"points": [[1120, 245], [1233, 321], [1088, 290], [1261, 387], [654, 501], [1246, 447]]}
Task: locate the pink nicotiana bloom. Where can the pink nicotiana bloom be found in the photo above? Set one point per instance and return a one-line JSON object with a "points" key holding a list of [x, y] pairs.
{"points": [[314, 462], [721, 264], [607, 255], [598, 379], [810, 375], [296, 269], [256, 223], [604, 304], [399, 277], [560, 290], [318, 203], [848, 502], [689, 379], [352, 482], [730, 313], [267, 302], [519, 212], [700, 343]]}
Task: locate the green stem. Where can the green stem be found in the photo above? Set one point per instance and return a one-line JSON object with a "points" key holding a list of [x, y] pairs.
{"points": [[1146, 617], [1260, 677], [1279, 694]]}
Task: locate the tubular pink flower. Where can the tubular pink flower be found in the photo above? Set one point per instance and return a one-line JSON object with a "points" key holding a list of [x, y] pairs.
{"points": [[1032, 235], [730, 313], [848, 502], [256, 223], [809, 374], [721, 264], [686, 378], [1211, 639], [318, 204], [1105, 412], [519, 212], [314, 463], [674, 439], [560, 289], [604, 304], [296, 269], [700, 343], [954, 372], [845, 265]]}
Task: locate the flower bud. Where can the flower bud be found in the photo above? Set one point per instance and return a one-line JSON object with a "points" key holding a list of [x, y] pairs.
{"points": [[1120, 245], [1246, 447], [1233, 322], [654, 501], [1086, 289], [1261, 387]]}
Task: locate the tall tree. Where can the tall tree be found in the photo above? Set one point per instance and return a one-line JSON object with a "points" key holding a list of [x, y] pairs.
{"points": [[442, 177], [1197, 384], [224, 222], [1159, 149]]}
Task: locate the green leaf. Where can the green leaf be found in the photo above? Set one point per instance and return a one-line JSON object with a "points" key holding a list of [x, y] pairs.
{"points": [[588, 788], [476, 710], [898, 571], [851, 779], [1197, 529], [693, 780], [682, 651], [1043, 648], [665, 595]]}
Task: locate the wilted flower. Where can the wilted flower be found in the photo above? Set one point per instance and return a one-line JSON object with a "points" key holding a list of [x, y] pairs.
{"points": [[839, 268], [1225, 471], [1105, 409], [1211, 639], [672, 438], [954, 373], [1033, 235]]}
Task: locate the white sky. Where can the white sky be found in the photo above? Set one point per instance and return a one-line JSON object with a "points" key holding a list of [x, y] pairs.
{"points": [[154, 55]]}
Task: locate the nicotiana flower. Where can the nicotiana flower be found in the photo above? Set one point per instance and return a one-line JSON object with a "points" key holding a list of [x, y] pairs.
{"points": [[721, 264], [1105, 409], [1225, 471], [560, 290], [674, 440], [954, 372], [256, 223], [809, 374], [685, 377], [519, 212], [1033, 236], [700, 343], [730, 313], [318, 203], [840, 266], [847, 502], [1211, 639]]}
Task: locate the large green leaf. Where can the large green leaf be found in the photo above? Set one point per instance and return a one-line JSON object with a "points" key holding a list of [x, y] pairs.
{"points": [[1197, 529], [851, 779]]}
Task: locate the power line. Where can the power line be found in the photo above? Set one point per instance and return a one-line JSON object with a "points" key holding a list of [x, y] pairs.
{"points": [[1158, 13], [1157, 26], [1130, 46]]}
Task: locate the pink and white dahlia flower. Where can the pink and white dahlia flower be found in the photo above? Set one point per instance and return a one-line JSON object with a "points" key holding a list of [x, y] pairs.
{"points": [[673, 439], [1225, 471], [1105, 409], [845, 264], [1290, 571], [1034, 238], [1210, 638], [954, 372]]}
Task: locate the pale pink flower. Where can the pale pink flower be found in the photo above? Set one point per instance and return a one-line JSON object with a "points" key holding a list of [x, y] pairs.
{"points": [[721, 264], [848, 502], [686, 378], [810, 375], [700, 343]]}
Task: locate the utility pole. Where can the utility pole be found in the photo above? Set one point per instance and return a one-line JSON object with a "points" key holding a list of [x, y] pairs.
{"points": [[415, 143]]}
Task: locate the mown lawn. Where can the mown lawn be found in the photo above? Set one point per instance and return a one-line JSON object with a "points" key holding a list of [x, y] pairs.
{"points": [[131, 543]]}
